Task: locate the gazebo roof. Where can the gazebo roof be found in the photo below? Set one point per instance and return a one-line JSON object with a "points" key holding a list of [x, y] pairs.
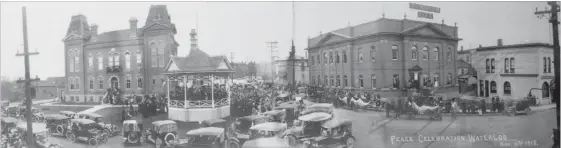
{"points": [[198, 62]]}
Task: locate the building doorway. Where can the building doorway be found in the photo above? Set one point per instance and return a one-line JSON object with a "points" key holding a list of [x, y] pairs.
{"points": [[545, 90]]}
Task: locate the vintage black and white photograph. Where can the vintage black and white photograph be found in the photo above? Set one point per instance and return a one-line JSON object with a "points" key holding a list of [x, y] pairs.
{"points": [[279, 74]]}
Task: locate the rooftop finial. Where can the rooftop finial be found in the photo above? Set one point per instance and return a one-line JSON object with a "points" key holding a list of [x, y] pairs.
{"points": [[455, 24], [442, 21], [405, 16]]}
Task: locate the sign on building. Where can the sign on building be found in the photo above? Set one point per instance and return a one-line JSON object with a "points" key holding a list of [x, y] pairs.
{"points": [[424, 11], [422, 14]]}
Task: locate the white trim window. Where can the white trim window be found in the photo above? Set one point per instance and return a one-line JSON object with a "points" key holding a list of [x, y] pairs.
{"points": [[139, 59], [127, 60], [101, 82], [90, 62], [372, 53], [77, 64], [116, 58], [414, 53], [128, 82], [395, 52], [425, 53], [161, 57], [436, 54], [100, 62], [139, 82]]}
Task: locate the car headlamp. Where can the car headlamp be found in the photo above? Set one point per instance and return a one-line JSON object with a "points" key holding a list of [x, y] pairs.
{"points": [[315, 144]]}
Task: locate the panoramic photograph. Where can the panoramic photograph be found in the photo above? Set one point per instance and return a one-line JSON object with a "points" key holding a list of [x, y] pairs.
{"points": [[279, 74]]}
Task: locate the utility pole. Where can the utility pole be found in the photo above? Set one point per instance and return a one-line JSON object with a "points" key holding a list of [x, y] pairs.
{"points": [[27, 81], [272, 45], [555, 22], [293, 49]]}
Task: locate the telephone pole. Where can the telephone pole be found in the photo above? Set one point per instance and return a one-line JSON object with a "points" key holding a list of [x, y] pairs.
{"points": [[553, 19], [272, 45], [293, 49], [27, 81]]}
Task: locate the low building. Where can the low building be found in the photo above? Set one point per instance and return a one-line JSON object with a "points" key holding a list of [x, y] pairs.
{"points": [[514, 71]]}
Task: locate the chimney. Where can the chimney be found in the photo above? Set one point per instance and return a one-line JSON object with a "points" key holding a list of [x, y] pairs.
{"points": [[133, 27], [461, 48], [480, 46], [500, 42], [93, 29]]}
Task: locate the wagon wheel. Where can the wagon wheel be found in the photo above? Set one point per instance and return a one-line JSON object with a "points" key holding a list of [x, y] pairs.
{"points": [[233, 144], [72, 138], [528, 111], [350, 143]]}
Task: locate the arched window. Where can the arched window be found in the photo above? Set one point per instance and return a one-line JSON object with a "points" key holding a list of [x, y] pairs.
{"points": [[90, 62], [507, 88], [548, 64], [436, 49], [396, 81], [493, 87], [487, 66], [360, 81], [414, 53], [116, 59], [77, 64], [325, 82], [425, 53], [139, 81], [325, 58], [332, 81], [338, 81], [161, 57], [492, 65], [507, 65], [330, 57], [359, 56], [449, 82], [127, 60], [544, 65], [545, 90], [449, 54], [77, 81], [344, 57], [345, 82], [100, 62], [373, 81], [395, 52], [337, 58], [512, 65], [153, 54], [319, 79], [71, 64], [373, 53], [91, 84], [139, 59]]}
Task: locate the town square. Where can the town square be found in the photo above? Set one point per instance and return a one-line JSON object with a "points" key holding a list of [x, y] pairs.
{"points": [[283, 74]]}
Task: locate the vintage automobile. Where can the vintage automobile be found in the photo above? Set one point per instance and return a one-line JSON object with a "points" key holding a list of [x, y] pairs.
{"points": [[520, 107], [70, 114], [275, 115], [40, 135], [110, 130], [57, 124], [263, 130], [163, 133], [291, 111], [334, 133], [206, 137], [37, 115], [306, 126], [319, 107], [132, 131], [8, 123], [214, 123], [240, 129], [85, 130], [13, 111], [270, 142]]}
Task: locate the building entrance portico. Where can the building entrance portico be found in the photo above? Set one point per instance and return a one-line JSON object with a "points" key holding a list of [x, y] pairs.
{"points": [[414, 77]]}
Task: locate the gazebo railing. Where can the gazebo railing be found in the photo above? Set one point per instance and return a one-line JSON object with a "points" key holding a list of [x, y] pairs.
{"points": [[176, 103], [198, 103]]}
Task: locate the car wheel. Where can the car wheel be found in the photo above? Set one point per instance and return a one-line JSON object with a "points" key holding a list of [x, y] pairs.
{"points": [[72, 138], [133, 138], [291, 140], [92, 142], [528, 111], [106, 131], [233, 144], [350, 143]]}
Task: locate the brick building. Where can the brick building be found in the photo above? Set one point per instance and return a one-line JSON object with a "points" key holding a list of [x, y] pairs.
{"points": [[385, 54], [131, 59], [513, 71]]}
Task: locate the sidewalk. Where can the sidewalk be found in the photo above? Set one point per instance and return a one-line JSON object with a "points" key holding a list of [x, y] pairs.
{"points": [[42, 101]]}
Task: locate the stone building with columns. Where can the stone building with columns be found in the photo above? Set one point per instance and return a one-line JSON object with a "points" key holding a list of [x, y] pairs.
{"points": [[131, 59], [385, 55]]}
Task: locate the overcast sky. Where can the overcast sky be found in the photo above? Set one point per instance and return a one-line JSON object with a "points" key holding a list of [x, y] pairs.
{"points": [[244, 27]]}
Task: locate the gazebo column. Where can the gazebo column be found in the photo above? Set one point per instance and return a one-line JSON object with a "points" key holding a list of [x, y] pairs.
{"points": [[169, 98], [212, 89], [228, 78], [185, 103]]}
